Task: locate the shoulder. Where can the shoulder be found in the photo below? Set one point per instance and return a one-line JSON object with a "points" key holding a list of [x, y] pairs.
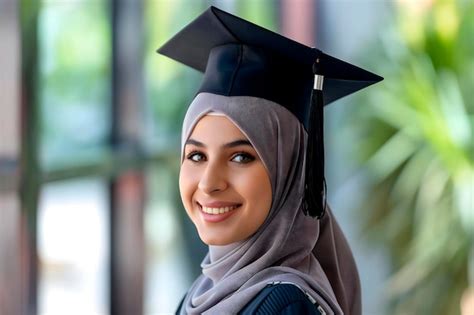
{"points": [[281, 299]]}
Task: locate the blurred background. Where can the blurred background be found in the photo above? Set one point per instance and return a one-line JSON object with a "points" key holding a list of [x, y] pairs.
{"points": [[90, 216]]}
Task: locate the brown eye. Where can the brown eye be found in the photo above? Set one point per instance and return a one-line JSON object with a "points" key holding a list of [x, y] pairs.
{"points": [[195, 157], [243, 158]]}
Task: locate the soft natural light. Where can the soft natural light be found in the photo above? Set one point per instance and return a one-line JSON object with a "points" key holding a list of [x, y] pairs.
{"points": [[73, 248]]}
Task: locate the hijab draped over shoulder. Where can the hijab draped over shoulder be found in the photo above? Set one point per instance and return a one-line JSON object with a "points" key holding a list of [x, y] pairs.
{"points": [[289, 246]]}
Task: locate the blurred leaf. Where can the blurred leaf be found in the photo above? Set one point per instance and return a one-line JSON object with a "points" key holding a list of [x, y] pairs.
{"points": [[418, 154]]}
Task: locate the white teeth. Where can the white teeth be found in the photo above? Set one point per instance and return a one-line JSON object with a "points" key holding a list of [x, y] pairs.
{"points": [[218, 210]]}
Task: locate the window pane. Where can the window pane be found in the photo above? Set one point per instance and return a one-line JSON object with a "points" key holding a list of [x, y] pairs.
{"points": [[73, 247], [168, 273], [74, 45]]}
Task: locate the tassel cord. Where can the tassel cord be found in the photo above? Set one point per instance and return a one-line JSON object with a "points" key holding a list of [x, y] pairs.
{"points": [[315, 192]]}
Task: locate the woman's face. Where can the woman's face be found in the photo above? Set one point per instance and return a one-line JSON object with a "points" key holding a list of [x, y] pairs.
{"points": [[224, 185]]}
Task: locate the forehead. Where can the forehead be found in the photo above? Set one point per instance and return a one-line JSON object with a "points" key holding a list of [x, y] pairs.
{"points": [[216, 128]]}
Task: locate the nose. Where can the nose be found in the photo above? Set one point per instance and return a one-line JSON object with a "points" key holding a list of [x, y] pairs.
{"points": [[213, 179]]}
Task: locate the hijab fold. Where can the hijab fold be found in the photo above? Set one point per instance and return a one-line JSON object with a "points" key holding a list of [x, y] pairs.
{"points": [[289, 246]]}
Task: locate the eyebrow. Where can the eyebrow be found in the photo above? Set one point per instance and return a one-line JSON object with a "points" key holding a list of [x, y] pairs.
{"points": [[232, 144]]}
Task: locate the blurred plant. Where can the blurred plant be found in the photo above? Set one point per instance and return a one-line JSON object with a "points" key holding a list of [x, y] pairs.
{"points": [[418, 154]]}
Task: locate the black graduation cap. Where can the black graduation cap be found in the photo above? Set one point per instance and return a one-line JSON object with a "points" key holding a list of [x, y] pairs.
{"points": [[240, 58]]}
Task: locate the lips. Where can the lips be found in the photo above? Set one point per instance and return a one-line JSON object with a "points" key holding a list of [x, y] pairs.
{"points": [[217, 211]]}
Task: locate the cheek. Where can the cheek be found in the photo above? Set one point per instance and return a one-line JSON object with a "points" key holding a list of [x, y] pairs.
{"points": [[256, 189], [187, 185]]}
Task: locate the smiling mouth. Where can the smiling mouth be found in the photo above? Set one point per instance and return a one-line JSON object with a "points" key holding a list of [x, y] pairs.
{"points": [[217, 210]]}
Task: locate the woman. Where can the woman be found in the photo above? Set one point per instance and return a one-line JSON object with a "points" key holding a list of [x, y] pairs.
{"points": [[245, 181]]}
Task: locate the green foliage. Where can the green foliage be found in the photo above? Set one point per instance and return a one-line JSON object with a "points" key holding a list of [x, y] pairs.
{"points": [[418, 152], [262, 12]]}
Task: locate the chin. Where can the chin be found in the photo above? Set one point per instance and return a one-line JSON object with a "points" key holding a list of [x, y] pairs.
{"points": [[216, 237], [206, 239]]}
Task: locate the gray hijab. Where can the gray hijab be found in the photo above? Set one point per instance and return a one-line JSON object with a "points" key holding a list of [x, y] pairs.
{"points": [[289, 246]]}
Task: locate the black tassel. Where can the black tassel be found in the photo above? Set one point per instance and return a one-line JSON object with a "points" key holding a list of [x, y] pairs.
{"points": [[314, 201]]}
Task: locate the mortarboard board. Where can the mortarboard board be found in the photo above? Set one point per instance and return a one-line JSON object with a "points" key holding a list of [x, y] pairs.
{"points": [[240, 58]]}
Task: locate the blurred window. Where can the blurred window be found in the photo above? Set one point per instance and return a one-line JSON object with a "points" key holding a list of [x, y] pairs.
{"points": [[74, 116], [168, 264], [74, 81], [73, 247]]}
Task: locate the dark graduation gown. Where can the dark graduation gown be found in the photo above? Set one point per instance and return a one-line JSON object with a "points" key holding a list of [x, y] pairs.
{"points": [[283, 299]]}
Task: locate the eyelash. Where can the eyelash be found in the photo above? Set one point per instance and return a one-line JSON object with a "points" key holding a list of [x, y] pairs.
{"points": [[193, 154], [249, 157], [245, 155]]}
